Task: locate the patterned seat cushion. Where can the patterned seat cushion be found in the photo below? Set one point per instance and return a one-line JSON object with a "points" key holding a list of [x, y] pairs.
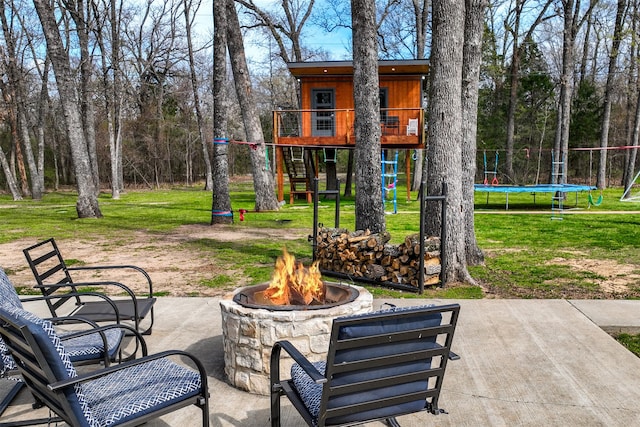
{"points": [[91, 346], [57, 358], [8, 294], [140, 389], [115, 398], [310, 392], [6, 361]]}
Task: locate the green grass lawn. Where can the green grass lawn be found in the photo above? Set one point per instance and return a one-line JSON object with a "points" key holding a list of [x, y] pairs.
{"points": [[527, 255], [630, 341]]}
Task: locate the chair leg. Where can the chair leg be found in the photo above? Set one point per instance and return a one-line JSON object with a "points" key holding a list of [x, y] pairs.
{"points": [[275, 409], [8, 392], [8, 395], [392, 422], [205, 412]]}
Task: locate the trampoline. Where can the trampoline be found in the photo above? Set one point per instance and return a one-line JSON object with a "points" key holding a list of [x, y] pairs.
{"points": [[533, 189]]}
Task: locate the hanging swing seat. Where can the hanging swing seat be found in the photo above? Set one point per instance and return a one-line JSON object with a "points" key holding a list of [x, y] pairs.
{"points": [[595, 203]]}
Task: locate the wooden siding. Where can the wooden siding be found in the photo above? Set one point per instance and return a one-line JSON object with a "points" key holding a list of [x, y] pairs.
{"points": [[403, 91]]}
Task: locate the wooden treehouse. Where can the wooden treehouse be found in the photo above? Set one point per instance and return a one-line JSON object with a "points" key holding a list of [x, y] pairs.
{"points": [[326, 117]]}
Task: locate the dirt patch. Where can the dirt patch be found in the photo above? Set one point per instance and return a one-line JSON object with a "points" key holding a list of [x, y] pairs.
{"points": [[614, 278], [610, 279], [175, 268], [179, 268]]}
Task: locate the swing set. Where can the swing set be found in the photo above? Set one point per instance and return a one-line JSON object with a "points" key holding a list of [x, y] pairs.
{"points": [[626, 196], [494, 181], [491, 185]]}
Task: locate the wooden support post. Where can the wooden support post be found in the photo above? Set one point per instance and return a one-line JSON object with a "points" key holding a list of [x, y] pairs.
{"points": [[407, 162], [279, 157]]}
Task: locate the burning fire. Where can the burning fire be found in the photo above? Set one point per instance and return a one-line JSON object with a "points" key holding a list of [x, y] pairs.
{"points": [[293, 283]]}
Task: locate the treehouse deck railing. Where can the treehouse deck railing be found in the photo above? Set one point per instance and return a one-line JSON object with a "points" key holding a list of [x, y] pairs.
{"points": [[335, 127]]}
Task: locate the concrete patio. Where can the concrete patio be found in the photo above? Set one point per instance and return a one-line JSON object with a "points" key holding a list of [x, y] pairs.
{"points": [[523, 363]]}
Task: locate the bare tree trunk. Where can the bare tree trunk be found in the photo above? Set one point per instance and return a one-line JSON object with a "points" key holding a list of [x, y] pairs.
{"points": [[445, 135], [572, 22], [221, 200], [421, 15], [633, 119], [348, 184], [81, 14], [87, 203], [369, 206], [263, 181], [23, 130], [601, 181], [566, 90], [43, 110], [112, 89], [188, 6], [472, 58], [17, 160], [585, 50], [16, 99], [513, 90], [514, 77], [9, 177]]}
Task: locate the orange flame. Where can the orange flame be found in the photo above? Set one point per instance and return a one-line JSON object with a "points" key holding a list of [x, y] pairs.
{"points": [[292, 283]]}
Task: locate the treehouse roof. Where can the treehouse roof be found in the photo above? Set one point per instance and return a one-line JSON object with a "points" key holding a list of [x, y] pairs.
{"points": [[345, 68]]}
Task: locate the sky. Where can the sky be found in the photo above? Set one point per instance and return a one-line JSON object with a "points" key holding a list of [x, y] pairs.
{"points": [[335, 43]]}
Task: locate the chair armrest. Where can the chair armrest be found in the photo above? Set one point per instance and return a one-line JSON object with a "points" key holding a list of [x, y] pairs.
{"points": [[89, 284], [140, 342], [299, 358], [73, 294], [125, 365], [70, 320], [115, 267]]}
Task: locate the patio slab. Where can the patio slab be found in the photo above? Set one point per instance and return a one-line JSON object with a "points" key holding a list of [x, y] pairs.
{"points": [[523, 362]]}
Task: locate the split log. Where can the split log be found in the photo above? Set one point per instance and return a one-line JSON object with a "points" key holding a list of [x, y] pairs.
{"points": [[365, 254]]}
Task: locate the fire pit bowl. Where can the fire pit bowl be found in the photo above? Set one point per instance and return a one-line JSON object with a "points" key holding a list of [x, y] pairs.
{"points": [[335, 294], [250, 328]]}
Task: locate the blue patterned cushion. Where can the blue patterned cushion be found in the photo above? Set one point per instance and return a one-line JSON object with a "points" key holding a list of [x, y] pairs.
{"points": [[6, 361], [8, 294], [79, 349], [91, 347], [139, 390], [310, 392], [57, 358]]}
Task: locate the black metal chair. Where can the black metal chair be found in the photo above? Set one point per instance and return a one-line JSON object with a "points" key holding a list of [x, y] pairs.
{"points": [[127, 394], [87, 344], [379, 366], [52, 275], [391, 125]]}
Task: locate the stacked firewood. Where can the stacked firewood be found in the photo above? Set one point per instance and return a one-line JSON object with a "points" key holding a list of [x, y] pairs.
{"points": [[370, 255]]}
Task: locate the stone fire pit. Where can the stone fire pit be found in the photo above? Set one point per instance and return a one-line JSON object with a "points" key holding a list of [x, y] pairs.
{"points": [[249, 333]]}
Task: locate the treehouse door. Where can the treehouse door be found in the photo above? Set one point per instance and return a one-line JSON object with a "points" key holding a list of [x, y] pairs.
{"points": [[323, 122]]}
